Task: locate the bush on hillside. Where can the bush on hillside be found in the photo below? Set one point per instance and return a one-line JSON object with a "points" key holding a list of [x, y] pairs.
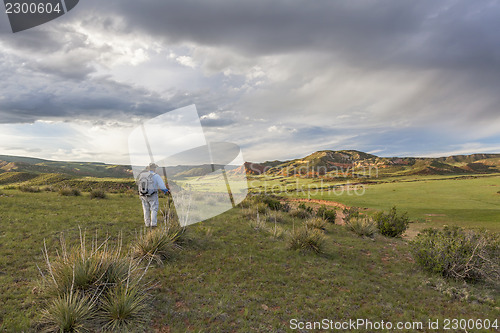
{"points": [[300, 213], [68, 192], [392, 224], [30, 189], [305, 208], [326, 214], [98, 194], [458, 253], [351, 212]]}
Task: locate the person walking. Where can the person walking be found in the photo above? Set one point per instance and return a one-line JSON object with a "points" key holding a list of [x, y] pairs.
{"points": [[149, 184]]}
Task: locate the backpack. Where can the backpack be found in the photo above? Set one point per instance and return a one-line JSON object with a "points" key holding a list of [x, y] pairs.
{"points": [[146, 184]]}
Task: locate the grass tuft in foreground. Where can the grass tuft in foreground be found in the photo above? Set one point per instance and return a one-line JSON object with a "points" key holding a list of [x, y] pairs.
{"points": [[123, 307], [67, 313], [85, 285]]}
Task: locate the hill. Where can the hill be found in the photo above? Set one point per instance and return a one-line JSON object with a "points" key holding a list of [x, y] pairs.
{"points": [[349, 162]]}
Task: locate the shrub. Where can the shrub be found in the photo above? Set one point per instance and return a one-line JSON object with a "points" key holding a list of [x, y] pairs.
{"points": [[305, 208], [67, 191], [98, 194], [305, 239], [458, 253], [261, 208], [326, 214], [316, 223], [30, 189], [50, 189], [300, 213], [362, 226], [391, 224], [67, 313], [273, 203], [351, 212]]}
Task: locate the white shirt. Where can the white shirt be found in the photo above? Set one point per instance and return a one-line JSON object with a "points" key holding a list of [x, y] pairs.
{"points": [[158, 182]]}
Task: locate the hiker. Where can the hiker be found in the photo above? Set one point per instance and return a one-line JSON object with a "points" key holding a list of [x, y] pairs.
{"points": [[149, 184]]}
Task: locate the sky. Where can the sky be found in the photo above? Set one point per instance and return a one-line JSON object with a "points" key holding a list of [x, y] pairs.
{"points": [[280, 78]]}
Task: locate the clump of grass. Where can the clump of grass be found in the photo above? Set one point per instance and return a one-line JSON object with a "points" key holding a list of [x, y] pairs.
{"points": [[459, 253], [97, 194], [326, 214], [305, 239], [80, 281], [362, 226], [392, 224], [67, 313], [123, 307], [158, 245], [315, 223], [68, 192], [30, 189]]}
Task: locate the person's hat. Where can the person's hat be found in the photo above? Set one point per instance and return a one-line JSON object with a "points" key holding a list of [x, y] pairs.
{"points": [[152, 166]]}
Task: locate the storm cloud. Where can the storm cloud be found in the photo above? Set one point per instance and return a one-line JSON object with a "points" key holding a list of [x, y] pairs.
{"points": [[397, 77]]}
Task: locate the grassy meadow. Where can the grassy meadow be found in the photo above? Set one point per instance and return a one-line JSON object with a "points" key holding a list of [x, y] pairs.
{"points": [[235, 273], [431, 201]]}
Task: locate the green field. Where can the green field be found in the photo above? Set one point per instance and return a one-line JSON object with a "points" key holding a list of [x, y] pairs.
{"points": [[472, 202], [230, 276]]}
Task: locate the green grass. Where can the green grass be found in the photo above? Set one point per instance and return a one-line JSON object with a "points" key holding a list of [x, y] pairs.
{"points": [[466, 202], [230, 276]]}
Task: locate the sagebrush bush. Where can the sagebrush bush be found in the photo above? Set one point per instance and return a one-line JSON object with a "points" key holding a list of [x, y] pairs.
{"points": [[458, 253], [315, 223], [97, 194], [30, 189], [351, 212], [362, 226], [326, 214], [305, 208], [391, 224], [68, 192], [300, 213], [306, 240], [273, 203]]}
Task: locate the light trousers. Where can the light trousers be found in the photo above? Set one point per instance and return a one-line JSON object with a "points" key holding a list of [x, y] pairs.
{"points": [[150, 206]]}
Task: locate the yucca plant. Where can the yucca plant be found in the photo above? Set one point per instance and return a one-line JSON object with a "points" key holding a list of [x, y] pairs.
{"points": [[124, 308], [315, 223], [362, 226], [68, 313], [85, 283], [306, 239], [158, 245]]}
